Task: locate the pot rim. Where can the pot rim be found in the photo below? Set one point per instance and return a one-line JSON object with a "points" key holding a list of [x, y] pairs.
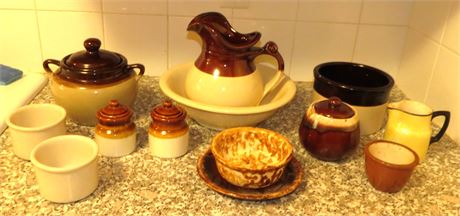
{"points": [[409, 166]]}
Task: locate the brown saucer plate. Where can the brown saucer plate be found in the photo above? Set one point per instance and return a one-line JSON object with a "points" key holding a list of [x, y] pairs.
{"points": [[290, 180]]}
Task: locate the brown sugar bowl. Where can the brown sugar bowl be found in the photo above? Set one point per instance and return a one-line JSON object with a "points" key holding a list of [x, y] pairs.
{"points": [[251, 157]]}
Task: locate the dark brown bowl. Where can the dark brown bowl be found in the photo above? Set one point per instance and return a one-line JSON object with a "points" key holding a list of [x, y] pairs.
{"points": [[389, 165], [356, 84]]}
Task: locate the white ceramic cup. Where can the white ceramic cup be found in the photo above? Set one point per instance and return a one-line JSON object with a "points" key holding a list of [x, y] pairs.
{"points": [[66, 167], [31, 124]]}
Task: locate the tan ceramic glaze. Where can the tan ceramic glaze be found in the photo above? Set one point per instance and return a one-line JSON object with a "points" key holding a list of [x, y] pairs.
{"points": [[220, 117], [288, 182], [91, 98], [251, 157], [66, 168], [224, 91], [31, 124], [389, 165]]}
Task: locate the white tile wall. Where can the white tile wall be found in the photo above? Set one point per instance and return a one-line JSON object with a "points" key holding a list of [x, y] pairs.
{"points": [[451, 37], [386, 12], [63, 32], [407, 38], [154, 7], [264, 9], [429, 17], [444, 89], [19, 41], [69, 5], [330, 11], [316, 43], [17, 4], [141, 39], [380, 46], [416, 65]]}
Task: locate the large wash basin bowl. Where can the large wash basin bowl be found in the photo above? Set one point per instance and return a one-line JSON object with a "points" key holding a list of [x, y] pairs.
{"points": [[172, 83]]}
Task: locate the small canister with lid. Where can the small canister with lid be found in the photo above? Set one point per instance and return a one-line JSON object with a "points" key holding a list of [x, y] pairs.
{"points": [[115, 133], [168, 132]]}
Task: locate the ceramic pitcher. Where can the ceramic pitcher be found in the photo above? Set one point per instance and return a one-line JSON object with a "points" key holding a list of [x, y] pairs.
{"points": [[409, 123], [224, 72]]}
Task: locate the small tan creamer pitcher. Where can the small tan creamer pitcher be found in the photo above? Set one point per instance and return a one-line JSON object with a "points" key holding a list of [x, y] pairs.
{"points": [[409, 123]]}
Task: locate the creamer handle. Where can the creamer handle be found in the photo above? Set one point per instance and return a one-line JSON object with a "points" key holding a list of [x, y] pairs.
{"points": [[441, 132]]}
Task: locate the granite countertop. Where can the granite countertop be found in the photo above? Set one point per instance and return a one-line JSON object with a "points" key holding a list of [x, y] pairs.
{"points": [[142, 184]]}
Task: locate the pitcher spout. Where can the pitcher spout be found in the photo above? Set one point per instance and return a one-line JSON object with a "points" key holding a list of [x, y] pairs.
{"points": [[216, 31]]}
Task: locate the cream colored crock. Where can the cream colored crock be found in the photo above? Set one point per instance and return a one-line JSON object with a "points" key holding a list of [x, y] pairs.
{"points": [[87, 80]]}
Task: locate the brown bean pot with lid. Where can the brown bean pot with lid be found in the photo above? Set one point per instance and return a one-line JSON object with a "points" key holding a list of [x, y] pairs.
{"points": [[330, 129], [87, 80]]}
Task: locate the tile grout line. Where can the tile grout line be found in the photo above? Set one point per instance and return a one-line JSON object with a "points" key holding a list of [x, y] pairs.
{"points": [[38, 32], [167, 37], [355, 42], [293, 40], [438, 53], [104, 38]]}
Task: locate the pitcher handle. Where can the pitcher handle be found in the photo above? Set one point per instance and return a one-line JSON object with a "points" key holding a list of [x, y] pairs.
{"points": [[441, 132], [270, 48], [138, 66]]}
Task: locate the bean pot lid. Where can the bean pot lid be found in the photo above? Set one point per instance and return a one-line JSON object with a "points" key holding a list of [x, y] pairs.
{"points": [[93, 65], [334, 108], [168, 113], [114, 114]]}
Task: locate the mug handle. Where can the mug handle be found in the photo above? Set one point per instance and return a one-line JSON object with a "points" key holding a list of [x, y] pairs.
{"points": [[138, 66], [50, 61], [441, 132]]}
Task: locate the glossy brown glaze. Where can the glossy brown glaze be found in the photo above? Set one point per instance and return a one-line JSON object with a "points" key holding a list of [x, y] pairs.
{"points": [[385, 176], [168, 121], [288, 182], [356, 84], [328, 144], [226, 50], [114, 121], [93, 66], [329, 130]]}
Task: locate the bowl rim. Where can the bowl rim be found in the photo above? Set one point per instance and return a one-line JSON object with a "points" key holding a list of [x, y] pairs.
{"points": [[317, 75], [409, 166], [223, 109], [221, 160]]}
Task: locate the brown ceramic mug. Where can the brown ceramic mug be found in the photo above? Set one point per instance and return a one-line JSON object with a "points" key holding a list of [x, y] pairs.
{"points": [[389, 165]]}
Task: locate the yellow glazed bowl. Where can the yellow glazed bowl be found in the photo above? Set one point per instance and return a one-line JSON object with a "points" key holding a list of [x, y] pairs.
{"points": [[172, 83], [251, 157]]}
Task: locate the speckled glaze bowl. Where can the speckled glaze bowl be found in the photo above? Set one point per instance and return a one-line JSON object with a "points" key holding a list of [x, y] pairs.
{"points": [[172, 84], [251, 157]]}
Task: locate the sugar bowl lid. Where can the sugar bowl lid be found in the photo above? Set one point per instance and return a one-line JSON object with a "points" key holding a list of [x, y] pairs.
{"points": [[114, 114], [168, 113], [334, 108]]}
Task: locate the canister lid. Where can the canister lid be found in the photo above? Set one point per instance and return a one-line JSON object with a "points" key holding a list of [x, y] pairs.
{"points": [[334, 108], [93, 57], [114, 114], [168, 113], [94, 65]]}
